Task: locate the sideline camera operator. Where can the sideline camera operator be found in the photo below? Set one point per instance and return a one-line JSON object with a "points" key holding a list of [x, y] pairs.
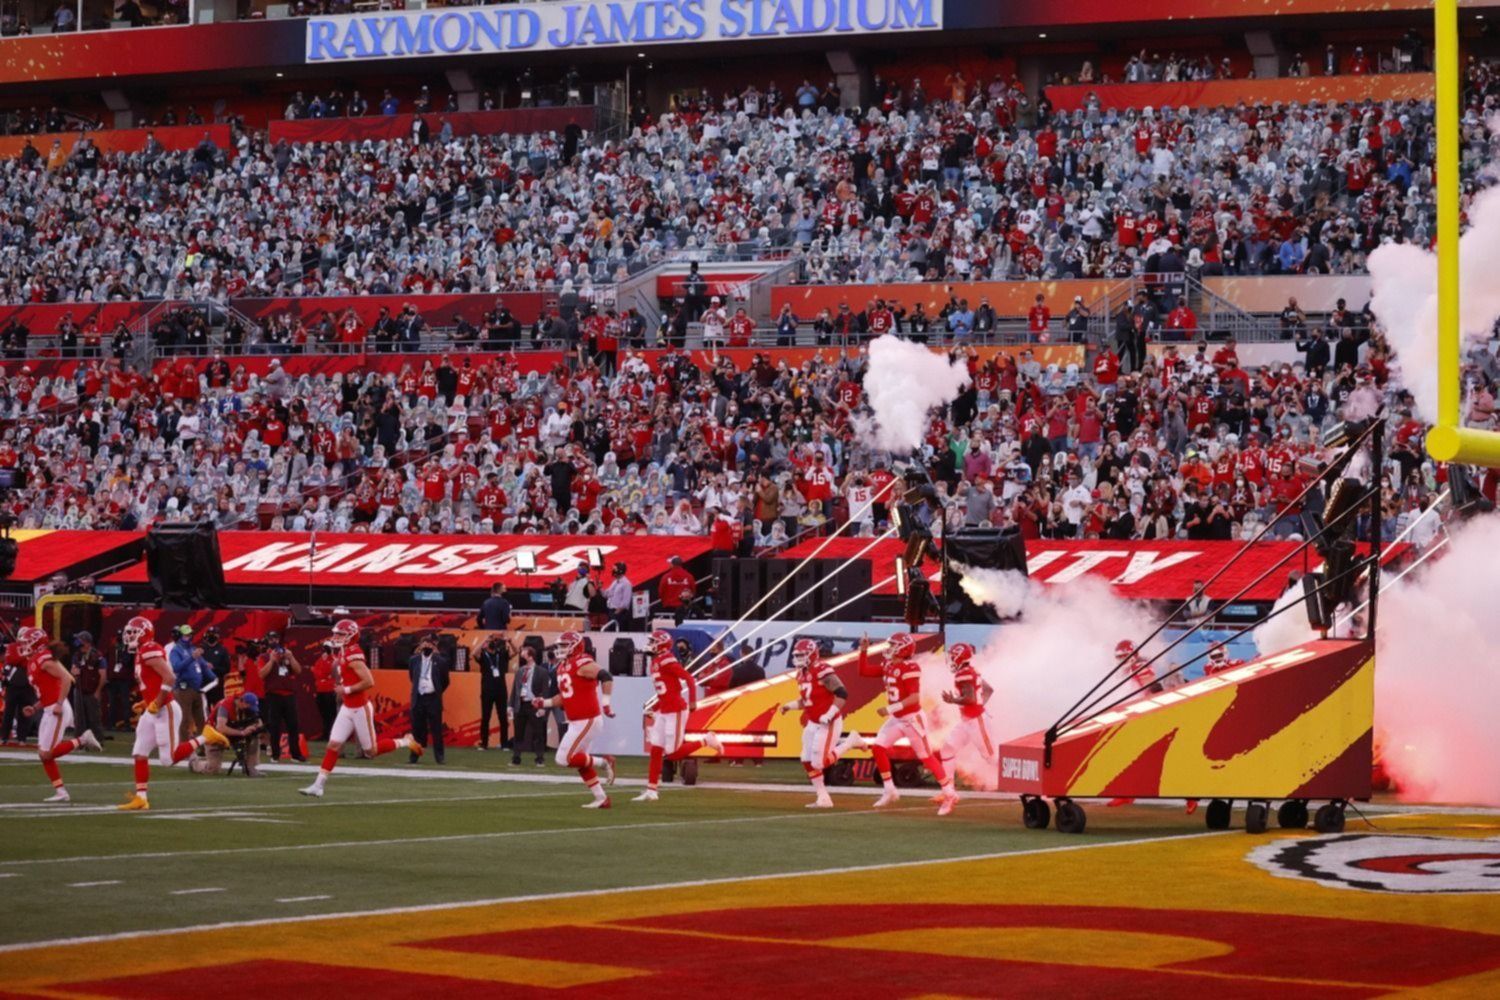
{"points": [[239, 719], [278, 669]]}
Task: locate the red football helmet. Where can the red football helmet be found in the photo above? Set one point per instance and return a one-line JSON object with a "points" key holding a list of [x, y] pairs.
{"points": [[135, 630], [960, 654], [804, 654], [30, 639], [569, 643], [1219, 656], [902, 646], [1124, 648], [345, 631], [659, 642]]}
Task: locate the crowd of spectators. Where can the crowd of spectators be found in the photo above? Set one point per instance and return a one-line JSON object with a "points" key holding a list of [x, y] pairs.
{"points": [[1190, 444], [981, 182]]}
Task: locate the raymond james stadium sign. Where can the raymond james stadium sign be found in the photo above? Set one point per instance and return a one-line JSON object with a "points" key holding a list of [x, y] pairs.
{"points": [[551, 27]]}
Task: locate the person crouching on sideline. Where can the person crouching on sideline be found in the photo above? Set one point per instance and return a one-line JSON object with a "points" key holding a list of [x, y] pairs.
{"points": [[238, 720]]}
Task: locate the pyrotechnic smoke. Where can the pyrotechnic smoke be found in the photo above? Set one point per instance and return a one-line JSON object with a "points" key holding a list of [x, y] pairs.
{"points": [[904, 382], [1437, 675], [1040, 665], [1404, 297]]}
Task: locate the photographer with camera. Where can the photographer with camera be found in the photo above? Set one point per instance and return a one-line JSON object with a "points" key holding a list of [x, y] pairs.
{"points": [[278, 670], [238, 718], [494, 664], [325, 678], [428, 670]]}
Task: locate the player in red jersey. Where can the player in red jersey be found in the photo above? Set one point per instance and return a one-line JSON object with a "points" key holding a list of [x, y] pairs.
{"points": [[1134, 666], [666, 719], [583, 690], [903, 717], [356, 716], [971, 695], [53, 684], [161, 717], [821, 697]]}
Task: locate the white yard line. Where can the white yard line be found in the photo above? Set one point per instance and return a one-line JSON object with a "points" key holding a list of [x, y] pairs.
{"points": [[589, 893], [302, 899], [90, 885], [39, 810], [197, 892], [459, 837]]}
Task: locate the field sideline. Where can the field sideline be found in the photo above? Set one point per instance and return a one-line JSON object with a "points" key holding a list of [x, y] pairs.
{"points": [[402, 880]]}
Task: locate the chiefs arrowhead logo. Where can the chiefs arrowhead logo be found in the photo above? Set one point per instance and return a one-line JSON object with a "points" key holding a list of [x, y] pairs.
{"points": [[1383, 863]]}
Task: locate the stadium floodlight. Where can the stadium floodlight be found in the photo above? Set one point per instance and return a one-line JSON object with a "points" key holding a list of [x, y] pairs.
{"points": [[900, 576]]}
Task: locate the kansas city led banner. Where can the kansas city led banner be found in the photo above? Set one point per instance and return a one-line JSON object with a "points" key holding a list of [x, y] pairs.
{"points": [[551, 27]]}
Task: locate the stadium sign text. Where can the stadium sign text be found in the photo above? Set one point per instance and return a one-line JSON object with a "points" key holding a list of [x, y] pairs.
{"points": [[548, 27]]}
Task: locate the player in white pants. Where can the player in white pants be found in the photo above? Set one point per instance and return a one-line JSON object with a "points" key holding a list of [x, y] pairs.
{"points": [[820, 697], [972, 732]]}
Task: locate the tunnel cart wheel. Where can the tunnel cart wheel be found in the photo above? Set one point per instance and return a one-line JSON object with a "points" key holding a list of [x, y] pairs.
{"points": [[1256, 816], [1035, 813], [1070, 816], [1329, 818], [1218, 814], [1292, 815]]}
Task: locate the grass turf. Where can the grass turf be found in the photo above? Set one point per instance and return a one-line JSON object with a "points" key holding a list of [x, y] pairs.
{"points": [[394, 841]]}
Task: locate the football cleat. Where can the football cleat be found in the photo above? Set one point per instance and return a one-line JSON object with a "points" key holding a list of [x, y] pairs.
{"points": [[1118, 802], [712, 741], [1192, 806], [649, 795], [821, 802], [412, 745], [312, 790], [609, 769], [214, 738], [89, 741], [135, 804], [61, 795], [854, 741], [887, 797], [597, 804], [949, 801]]}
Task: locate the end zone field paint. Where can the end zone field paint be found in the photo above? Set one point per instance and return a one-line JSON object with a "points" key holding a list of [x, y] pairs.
{"points": [[1179, 916]]}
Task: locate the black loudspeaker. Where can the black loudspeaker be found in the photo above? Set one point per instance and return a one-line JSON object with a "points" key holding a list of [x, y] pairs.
{"points": [[1319, 611], [804, 592], [750, 583], [623, 659], [981, 548], [9, 552], [184, 567]]}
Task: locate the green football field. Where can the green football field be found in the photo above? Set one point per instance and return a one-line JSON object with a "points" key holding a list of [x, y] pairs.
{"points": [[219, 849]]}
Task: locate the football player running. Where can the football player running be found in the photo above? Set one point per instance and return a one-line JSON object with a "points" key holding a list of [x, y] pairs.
{"points": [[903, 718], [665, 721], [972, 693], [820, 697], [161, 717], [53, 684], [583, 691], [356, 716]]}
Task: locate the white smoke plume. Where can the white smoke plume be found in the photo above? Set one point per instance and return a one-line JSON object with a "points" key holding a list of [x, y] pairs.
{"points": [[1404, 298], [904, 382], [1437, 674], [1005, 590], [1040, 665]]}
